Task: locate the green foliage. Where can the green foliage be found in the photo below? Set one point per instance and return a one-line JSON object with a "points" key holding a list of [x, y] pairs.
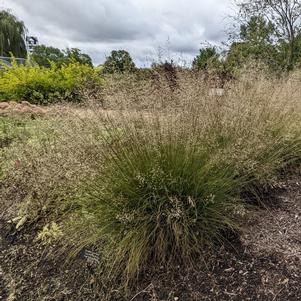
{"points": [[45, 55], [243, 53], [12, 35], [208, 58], [13, 131], [284, 17], [41, 85], [8, 132], [257, 31], [284, 49], [75, 55], [7, 136], [256, 44], [119, 61]]}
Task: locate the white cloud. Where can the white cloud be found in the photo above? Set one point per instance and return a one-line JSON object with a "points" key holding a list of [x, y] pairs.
{"points": [[140, 26]]}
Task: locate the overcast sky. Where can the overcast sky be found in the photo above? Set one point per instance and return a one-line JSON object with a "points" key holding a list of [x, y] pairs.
{"points": [[148, 29]]}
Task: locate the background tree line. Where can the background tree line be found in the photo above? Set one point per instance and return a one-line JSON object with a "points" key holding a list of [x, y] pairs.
{"points": [[268, 32]]}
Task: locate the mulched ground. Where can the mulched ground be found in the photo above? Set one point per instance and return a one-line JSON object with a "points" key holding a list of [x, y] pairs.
{"points": [[265, 265]]}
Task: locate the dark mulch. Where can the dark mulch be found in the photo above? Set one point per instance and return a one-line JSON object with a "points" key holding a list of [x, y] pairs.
{"points": [[265, 265]]}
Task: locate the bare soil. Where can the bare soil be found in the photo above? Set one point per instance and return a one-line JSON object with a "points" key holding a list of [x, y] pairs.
{"points": [[263, 264]]}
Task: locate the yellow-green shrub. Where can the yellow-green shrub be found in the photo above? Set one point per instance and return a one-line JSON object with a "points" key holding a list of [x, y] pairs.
{"points": [[41, 85]]}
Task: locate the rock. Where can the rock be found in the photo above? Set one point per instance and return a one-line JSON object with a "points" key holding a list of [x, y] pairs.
{"points": [[4, 105], [26, 103]]}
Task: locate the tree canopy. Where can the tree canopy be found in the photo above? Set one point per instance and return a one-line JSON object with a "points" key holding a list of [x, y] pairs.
{"points": [[208, 57], [44, 55], [283, 15], [256, 42], [119, 61], [75, 54], [12, 35]]}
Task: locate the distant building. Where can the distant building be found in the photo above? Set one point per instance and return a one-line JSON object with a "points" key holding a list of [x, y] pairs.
{"points": [[31, 43]]}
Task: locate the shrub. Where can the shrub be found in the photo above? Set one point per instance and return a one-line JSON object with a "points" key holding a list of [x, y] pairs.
{"points": [[40, 85]]}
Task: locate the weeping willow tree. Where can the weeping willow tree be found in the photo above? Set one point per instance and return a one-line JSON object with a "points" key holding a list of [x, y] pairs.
{"points": [[12, 35]]}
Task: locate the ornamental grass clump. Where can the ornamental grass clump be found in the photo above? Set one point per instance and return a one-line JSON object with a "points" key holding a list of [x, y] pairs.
{"points": [[159, 197]]}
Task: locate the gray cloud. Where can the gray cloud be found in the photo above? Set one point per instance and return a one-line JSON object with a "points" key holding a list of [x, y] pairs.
{"points": [[140, 26]]}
